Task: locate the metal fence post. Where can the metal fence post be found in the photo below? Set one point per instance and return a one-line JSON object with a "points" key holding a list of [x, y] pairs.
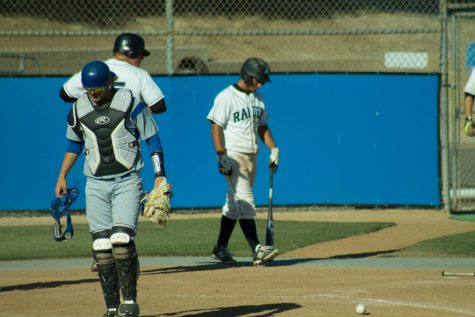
{"points": [[170, 37], [444, 120]]}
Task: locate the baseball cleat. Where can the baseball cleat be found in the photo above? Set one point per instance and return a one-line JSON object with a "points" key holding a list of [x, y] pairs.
{"points": [[94, 266], [264, 254], [111, 312], [222, 254], [129, 310]]}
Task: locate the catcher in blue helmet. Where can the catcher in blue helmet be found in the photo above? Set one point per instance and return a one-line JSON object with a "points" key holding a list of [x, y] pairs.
{"points": [[107, 125]]}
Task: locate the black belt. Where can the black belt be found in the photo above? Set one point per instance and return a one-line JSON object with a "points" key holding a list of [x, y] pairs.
{"points": [[118, 178]]}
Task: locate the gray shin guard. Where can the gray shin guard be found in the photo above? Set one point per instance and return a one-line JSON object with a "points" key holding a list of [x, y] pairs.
{"points": [[110, 284], [128, 275]]}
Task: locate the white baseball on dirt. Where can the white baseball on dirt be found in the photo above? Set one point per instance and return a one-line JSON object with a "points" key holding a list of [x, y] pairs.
{"points": [[360, 309]]}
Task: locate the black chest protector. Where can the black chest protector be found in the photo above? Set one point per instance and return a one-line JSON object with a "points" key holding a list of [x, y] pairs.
{"points": [[111, 143]]}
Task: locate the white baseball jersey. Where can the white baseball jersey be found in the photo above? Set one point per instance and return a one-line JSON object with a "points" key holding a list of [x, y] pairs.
{"points": [[239, 114], [470, 85], [131, 77]]}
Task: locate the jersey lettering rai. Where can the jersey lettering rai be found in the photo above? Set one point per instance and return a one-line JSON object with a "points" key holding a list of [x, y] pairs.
{"points": [[129, 76], [239, 114]]}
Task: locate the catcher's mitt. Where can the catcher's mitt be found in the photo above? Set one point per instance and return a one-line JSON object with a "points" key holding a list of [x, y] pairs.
{"points": [[157, 204]]}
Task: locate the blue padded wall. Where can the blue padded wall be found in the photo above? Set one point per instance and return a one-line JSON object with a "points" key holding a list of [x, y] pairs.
{"points": [[345, 139]]}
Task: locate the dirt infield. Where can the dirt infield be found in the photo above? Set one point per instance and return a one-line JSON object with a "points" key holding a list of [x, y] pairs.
{"points": [[283, 289]]}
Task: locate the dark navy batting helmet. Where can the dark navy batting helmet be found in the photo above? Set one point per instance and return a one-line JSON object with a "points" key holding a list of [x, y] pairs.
{"points": [[96, 74], [130, 44], [257, 68]]}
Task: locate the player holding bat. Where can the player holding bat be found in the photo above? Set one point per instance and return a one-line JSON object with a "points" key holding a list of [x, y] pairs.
{"points": [[238, 117]]}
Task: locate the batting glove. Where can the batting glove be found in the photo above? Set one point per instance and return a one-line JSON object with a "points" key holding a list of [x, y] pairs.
{"points": [[224, 164], [274, 159], [468, 127]]}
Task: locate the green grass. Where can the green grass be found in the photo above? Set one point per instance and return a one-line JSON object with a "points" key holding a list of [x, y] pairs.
{"points": [[457, 245], [191, 237], [463, 217]]}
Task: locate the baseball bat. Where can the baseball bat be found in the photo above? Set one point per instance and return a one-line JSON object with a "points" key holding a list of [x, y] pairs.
{"points": [[444, 273], [270, 220]]}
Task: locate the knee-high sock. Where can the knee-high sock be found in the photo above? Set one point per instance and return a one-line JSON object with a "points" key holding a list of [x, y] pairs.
{"points": [[227, 227], [248, 227]]}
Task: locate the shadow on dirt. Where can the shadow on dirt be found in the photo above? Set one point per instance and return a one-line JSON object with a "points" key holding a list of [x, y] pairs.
{"points": [[196, 268], [162, 270], [219, 266], [265, 310], [41, 285], [275, 263], [364, 254]]}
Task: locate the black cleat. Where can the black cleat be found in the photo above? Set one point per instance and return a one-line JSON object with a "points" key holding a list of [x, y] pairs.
{"points": [[222, 254], [129, 310]]}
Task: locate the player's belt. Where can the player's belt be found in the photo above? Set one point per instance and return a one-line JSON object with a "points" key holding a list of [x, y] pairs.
{"points": [[118, 178]]}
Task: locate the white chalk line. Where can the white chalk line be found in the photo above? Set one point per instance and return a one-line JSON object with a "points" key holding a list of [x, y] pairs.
{"points": [[351, 299], [395, 303]]}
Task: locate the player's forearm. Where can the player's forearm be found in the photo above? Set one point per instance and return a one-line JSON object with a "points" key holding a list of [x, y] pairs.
{"points": [[269, 141], [218, 138], [68, 162], [266, 137], [468, 105], [159, 107], [157, 157]]}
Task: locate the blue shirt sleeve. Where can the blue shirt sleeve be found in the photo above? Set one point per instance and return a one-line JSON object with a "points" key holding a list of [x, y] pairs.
{"points": [[74, 147], [154, 144], [140, 107]]}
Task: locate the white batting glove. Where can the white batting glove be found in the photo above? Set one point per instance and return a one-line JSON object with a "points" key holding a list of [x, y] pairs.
{"points": [[274, 159], [224, 164], [468, 127]]}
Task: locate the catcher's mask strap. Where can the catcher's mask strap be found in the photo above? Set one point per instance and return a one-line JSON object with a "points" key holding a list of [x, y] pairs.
{"points": [[59, 210], [63, 231]]}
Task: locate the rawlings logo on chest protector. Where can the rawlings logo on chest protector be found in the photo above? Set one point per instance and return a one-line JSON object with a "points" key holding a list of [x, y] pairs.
{"points": [[102, 120]]}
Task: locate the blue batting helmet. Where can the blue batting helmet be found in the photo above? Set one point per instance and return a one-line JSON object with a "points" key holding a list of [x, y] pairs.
{"points": [[96, 74]]}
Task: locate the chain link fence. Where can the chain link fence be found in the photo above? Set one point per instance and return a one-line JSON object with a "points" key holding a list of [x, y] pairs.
{"points": [[55, 37], [461, 60]]}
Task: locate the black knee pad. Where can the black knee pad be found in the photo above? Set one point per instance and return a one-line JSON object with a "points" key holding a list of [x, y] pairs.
{"points": [[123, 245], [102, 247]]}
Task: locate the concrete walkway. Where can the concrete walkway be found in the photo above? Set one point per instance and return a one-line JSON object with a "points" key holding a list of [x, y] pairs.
{"points": [[367, 262]]}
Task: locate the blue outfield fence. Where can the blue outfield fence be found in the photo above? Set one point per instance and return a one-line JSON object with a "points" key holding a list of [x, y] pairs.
{"points": [[344, 139]]}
